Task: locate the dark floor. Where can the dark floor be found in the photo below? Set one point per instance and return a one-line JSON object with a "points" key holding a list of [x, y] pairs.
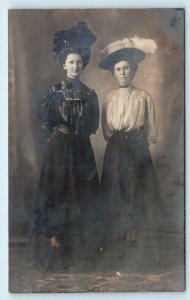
{"points": [[156, 264]]}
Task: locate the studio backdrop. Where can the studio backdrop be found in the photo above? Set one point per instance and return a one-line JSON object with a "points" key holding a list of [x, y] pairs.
{"points": [[33, 69]]}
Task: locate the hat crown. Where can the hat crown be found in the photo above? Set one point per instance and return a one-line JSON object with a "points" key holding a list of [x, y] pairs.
{"points": [[145, 45], [78, 36], [115, 46]]}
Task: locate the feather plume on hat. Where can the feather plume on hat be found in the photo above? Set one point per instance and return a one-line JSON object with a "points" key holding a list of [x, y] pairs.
{"points": [[146, 45]]}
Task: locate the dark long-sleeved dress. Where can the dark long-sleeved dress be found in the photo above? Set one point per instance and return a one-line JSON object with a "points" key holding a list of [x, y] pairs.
{"points": [[128, 181], [66, 202]]}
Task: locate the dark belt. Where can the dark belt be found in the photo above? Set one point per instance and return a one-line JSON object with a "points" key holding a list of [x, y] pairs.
{"points": [[65, 129], [125, 136]]}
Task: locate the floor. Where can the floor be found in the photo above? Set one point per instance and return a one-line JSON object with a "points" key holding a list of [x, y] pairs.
{"points": [[156, 264]]}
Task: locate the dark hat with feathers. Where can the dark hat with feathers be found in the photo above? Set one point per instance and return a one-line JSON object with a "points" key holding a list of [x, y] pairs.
{"points": [[77, 39]]}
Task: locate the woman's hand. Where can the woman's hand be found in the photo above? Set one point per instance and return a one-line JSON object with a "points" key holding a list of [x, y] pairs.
{"points": [[54, 242]]}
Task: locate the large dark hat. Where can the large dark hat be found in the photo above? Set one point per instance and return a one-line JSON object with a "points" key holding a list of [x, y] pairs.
{"points": [[130, 49], [77, 38]]}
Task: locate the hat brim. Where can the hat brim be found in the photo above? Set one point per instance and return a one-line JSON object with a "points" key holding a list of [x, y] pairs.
{"points": [[132, 55]]}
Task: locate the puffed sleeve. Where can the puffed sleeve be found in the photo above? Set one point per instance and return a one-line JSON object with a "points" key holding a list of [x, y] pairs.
{"points": [[151, 120], [93, 117], [105, 128], [45, 113], [95, 114]]}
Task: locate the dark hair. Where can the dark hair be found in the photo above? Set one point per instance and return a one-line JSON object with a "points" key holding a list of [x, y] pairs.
{"points": [[62, 55]]}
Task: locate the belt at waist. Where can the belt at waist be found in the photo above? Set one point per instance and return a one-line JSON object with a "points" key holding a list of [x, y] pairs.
{"points": [[132, 135], [64, 129]]}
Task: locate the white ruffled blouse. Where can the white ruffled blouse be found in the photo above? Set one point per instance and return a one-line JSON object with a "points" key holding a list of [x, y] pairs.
{"points": [[126, 109]]}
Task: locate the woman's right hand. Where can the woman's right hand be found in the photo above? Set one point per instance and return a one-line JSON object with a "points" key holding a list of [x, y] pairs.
{"points": [[54, 242]]}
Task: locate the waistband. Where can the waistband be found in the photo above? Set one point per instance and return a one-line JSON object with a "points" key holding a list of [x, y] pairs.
{"points": [[65, 129], [132, 135]]}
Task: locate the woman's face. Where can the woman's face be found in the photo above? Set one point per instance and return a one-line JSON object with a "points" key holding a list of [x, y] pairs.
{"points": [[73, 65], [123, 72]]}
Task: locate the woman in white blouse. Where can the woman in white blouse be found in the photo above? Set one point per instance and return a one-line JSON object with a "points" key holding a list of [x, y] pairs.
{"points": [[128, 121]]}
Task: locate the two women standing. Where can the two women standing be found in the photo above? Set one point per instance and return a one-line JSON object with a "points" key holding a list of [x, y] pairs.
{"points": [[68, 203]]}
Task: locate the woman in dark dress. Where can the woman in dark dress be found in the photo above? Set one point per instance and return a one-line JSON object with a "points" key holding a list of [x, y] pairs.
{"points": [[64, 227], [128, 181]]}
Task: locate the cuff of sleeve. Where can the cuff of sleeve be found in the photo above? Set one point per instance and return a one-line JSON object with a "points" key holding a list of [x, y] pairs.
{"points": [[152, 140]]}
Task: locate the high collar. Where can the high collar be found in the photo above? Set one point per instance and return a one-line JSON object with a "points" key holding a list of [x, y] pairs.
{"points": [[126, 86], [73, 80], [73, 83]]}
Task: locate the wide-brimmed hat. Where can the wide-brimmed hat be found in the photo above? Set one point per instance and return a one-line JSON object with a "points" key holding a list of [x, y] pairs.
{"points": [[77, 38], [130, 49]]}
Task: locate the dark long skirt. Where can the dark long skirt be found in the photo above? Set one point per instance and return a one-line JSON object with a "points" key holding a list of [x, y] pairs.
{"points": [[67, 201], [129, 186]]}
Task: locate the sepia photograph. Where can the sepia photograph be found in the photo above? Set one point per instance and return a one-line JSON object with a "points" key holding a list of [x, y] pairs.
{"points": [[96, 150]]}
